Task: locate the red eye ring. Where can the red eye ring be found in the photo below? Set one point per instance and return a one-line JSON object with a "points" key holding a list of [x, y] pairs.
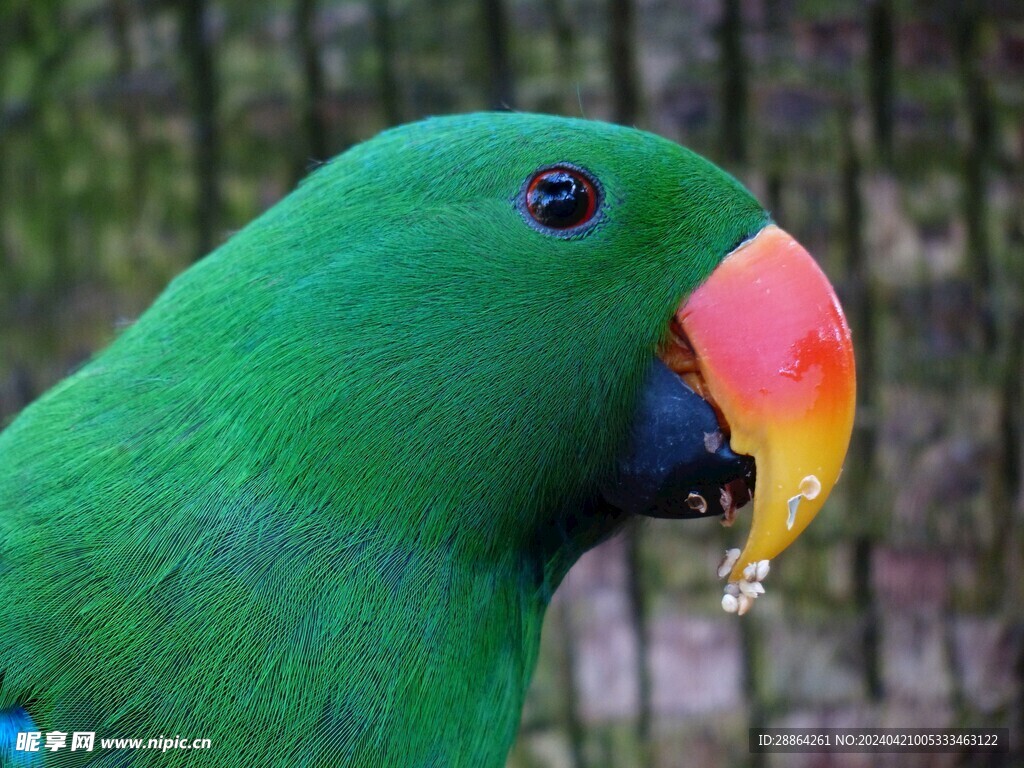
{"points": [[561, 198]]}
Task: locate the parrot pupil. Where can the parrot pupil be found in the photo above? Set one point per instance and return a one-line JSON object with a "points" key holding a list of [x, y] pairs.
{"points": [[561, 198]]}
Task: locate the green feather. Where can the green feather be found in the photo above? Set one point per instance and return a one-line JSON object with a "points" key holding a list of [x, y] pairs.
{"points": [[313, 503]]}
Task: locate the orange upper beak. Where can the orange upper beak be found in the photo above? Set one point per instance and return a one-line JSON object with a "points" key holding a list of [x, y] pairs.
{"points": [[775, 353]]}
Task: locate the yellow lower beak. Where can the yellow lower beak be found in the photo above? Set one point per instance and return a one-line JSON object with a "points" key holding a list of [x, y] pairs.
{"points": [[775, 353]]}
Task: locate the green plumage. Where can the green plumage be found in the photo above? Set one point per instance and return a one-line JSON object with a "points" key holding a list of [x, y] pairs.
{"points": [[313, 503]]}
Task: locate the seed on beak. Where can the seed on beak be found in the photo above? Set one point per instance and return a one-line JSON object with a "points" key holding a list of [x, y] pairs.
{"points": [[728, 508], [728, 505], [744, 603], [697, 503], [810, 487], [724, 567], [762, 569], [712, 441], [750, 588], [740, 595]]}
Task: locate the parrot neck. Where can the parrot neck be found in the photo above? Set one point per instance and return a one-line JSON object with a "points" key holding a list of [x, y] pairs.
{"points": [[453, 632], [439, 676]]}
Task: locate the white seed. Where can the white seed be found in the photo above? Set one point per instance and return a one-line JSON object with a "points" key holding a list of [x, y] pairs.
{"points": [[697, 503], [793, 504], [751, 588], [730, 604], [725, 567], [744, 604], [810, 487], [763, 566], [712, 441], [728, 516], [732, 589], [750, 572], [747, 588], [725, 499]]}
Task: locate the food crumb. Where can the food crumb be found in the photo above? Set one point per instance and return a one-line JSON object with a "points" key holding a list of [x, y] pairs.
{"points": [[697, 503], [740, 594], [727, 562]]}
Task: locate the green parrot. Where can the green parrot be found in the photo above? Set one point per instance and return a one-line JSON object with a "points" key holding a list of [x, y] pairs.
{"points": [[311, 506]]}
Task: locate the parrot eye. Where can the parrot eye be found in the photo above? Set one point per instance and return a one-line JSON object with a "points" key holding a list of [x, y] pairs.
{"points": [[561, 198]]}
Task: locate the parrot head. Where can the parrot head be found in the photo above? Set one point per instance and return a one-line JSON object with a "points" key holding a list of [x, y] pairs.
{"points": [[539, 327], [523, 330]]}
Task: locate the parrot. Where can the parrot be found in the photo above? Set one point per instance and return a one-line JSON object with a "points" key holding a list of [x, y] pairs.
{"points": [[309, 508]]}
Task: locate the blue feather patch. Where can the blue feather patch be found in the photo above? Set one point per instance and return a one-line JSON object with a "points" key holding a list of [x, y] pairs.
{"points": [[12, 722]]}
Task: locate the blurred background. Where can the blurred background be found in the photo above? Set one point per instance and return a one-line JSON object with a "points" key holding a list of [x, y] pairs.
{"points": [[887, 136]]}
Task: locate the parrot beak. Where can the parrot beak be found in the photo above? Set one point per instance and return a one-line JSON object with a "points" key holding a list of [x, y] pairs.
{"points": [[765, 343], [677, 462]]}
